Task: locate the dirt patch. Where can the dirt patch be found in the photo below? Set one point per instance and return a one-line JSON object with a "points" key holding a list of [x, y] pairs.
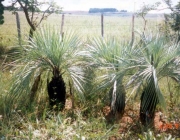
{"points": [[130, 122]]}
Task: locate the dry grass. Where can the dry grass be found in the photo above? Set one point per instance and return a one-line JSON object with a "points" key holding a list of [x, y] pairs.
{"points": [[86, 25]]}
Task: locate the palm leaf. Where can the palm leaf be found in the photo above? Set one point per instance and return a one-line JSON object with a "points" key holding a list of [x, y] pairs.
{"points": [[110, 56], [43, 54], [156, 59]]}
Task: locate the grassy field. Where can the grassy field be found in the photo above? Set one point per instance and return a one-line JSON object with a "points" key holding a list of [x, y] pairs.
{"points": [[86, 25], [88, 119]]}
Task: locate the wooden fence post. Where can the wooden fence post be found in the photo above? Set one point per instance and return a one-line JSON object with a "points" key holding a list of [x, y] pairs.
{"points": [[166, 26], [132, 39], [18, 27], [62, 25], [102, 25]]}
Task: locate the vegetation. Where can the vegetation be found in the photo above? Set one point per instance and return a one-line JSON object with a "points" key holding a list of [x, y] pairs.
{"points": [[145, 9], [173, 19], [48, 56], [89, 87], [1, 12], [102, 10], [155, 59], [32, 8], [86, 25], [152, 94], [110, 55]]}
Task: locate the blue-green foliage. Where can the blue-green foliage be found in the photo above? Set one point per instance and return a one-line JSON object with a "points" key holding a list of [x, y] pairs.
{"points": [[102, 10]]}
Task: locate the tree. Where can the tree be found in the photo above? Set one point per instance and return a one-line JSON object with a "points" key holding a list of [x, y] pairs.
{"points": [[155, 59], [173, 19], [33, 13], [110, 57], [102, 10], [1, 12], [145, 9], [51, 58]]}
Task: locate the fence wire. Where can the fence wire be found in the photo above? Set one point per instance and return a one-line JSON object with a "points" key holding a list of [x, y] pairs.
{"points": [[87, 25]]}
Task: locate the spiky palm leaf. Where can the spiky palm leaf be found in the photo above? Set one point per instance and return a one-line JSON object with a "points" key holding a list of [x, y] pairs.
{"points": [[109, 56], [48, 55], [156, 59]]}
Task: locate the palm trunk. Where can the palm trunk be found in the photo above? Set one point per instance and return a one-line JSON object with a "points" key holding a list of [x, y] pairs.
{"points": [[147, 112], [120, 106], [35, 88], [57, 92], [31, 33], [117, 97]]}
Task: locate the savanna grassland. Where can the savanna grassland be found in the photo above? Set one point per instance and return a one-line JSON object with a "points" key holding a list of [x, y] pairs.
{"points": [[87, 115], [85, 25]]}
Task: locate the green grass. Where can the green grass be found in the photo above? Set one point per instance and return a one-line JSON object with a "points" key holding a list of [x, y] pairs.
{"points": [[87, 120], [86, 25]]}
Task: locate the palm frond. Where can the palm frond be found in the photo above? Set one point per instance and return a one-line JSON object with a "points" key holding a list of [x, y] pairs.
{"points": [[44, 53], [111, 56], [156, 58]]}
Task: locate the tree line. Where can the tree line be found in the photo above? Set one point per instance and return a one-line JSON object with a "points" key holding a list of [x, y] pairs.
{"points": [[102, 10]]}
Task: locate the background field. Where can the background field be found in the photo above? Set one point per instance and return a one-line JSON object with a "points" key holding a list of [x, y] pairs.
{"points": [[86, 25]]}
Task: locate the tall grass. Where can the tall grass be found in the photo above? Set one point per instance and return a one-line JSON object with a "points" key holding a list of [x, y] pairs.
{"points": [[86, 25]]}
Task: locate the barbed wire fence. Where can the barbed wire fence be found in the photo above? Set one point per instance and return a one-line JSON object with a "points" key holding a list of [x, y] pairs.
{"points": [[101, 26]]}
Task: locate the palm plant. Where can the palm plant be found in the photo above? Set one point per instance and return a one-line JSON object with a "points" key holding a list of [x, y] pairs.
{"points": [[109, 56], [154, 59], [48, 55]]}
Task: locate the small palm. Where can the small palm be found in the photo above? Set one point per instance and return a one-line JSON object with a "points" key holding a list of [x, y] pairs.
{"points": [[48, 55]]}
